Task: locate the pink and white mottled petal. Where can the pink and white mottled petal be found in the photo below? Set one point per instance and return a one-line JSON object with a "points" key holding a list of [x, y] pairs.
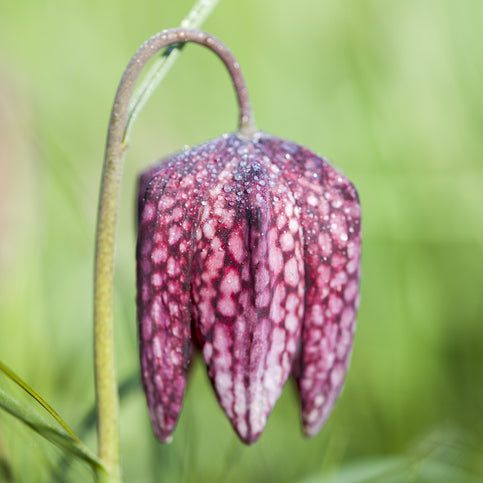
{"points": [[330, 218], [163, 315], [324, 359], [168, 213], [251, 356]]}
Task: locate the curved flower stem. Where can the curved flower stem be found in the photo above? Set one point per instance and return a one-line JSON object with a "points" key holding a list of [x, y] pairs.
{"points": [[106, 386]]}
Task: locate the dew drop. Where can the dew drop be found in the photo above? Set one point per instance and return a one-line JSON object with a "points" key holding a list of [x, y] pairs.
{"points": [[336, 203]]}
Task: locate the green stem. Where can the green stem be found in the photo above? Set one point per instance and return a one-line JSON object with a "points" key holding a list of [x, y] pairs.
{"points": [[106, 386]]}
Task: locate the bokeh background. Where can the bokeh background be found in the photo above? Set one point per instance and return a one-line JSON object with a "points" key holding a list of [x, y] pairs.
{"points": [[390, 91]]}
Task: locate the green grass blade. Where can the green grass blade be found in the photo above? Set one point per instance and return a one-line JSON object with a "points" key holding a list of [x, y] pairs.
{"points": [[55, 435], [88, 424], [15, 378], [397, 469]]}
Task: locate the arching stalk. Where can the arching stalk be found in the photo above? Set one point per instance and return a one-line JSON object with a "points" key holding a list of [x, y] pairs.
{"points": [[105, 374]]}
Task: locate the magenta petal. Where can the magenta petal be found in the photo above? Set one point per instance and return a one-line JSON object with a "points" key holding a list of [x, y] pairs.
{"points": [[163, 254], [248, 288], [331, 223]]}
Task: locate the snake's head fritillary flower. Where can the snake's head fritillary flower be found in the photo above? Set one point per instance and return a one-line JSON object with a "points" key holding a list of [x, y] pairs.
{"points": [[248, 248]]}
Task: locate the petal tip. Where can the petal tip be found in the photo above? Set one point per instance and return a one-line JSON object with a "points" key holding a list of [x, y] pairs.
{"points": [[166, 439], [246, 435]]}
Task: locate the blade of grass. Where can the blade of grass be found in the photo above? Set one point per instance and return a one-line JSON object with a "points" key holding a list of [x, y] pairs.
{"points": [[57, 436], [88, 424], [15, 378]]}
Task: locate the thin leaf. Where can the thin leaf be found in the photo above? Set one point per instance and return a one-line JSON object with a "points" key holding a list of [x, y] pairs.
{"points": [[127, 387], [399, 469], [15, 378], [59, 437]]}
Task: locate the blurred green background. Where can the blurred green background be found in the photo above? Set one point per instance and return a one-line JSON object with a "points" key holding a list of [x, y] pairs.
{"points": [[391, 91]]}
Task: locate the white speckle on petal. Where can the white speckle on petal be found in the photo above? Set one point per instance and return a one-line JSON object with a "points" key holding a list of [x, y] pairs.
{"points": [[291, 274]]}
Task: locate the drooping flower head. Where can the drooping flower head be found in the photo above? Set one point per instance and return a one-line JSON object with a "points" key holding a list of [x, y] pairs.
{"points": [[248, 249]]}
